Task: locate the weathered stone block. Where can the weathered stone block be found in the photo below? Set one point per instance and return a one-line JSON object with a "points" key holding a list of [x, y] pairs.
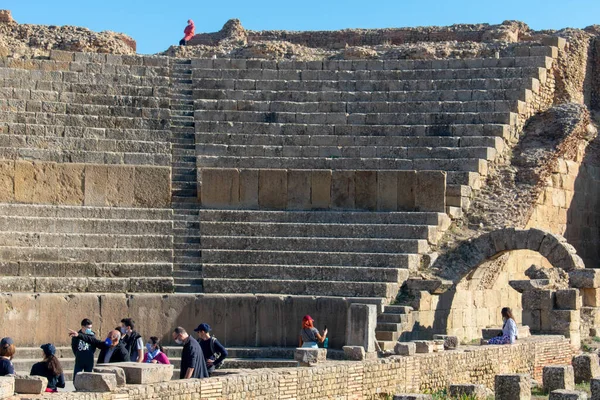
{"points": [[7, 181], [95, 382], [25, 384], [415, 396], [450, 342], [473, 391], [249, 188], [407, 187], [152, 187], [387, 190], [430, 192], [120, 190], [309, 357], [96, 185], [343, 190], [360, 327], [584, 278], [424, 346], [563, 394], [590, 297], [568, 299], [7, 386], [558, 377], [512, 387], [561, 321], [540, 299], [49, 183], [299, 189], [116, 371], [595, 388], [365, 184], [272, 189], [220, 187], [144, 373], [320, 193], [405, 348], [356, 353], [585, 367]]}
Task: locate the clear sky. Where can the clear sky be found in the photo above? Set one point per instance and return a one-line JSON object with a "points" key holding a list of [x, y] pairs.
{"points": [[155, 25]]}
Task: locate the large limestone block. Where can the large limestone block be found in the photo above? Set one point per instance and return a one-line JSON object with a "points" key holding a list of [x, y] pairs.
{"points": [[249, 188], [365, 185], [387, 190], [7, 386], [568, 299], [360, 327], [272, 189], [512, 387], [320, 192], [585, 367], [49, 183], [120, 190], [424, 346], [405, 348], [590, 297], [584, 278], [307, 357], [299, 189], [7, 181], [595, 388], [110, 369], [343, 190], [144, 373], [95, 382], [415, 396], [25, 384], [540, 299], [152, 187], [563, 394], [96, 185], [356, 353], [450, 342], [558, 377], [407, 189], [472, 391], [431, 191], [220, 187]]}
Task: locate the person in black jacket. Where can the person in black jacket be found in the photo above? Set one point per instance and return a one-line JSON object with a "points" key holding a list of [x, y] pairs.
{"points": [[213, 350], [192, 358], [112, 350], [133, 340], [83, 351], [50, 368]]}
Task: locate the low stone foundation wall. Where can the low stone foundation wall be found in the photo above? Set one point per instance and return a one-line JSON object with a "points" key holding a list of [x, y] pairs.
{"points": [[362, 380]]}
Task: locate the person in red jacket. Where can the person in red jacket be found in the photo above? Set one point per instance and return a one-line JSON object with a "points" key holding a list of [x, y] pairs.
{"points": [[189, 32]]}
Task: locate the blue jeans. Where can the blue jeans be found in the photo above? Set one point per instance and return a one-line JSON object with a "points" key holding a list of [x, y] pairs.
{"points": [[310, 345]]}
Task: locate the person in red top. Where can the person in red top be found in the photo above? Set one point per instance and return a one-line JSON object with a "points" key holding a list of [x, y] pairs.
{"points": [[189, 32]]}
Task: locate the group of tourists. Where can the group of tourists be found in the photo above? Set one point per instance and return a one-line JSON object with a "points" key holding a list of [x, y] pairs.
{"points": [[199, 358]]}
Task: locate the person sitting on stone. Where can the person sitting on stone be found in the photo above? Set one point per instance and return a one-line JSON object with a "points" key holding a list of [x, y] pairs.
{"points": [[309, 335], [112, 349], [214, 352], [7, 351], [509, 329], [189, 32], [50, 368], [155, 353]]}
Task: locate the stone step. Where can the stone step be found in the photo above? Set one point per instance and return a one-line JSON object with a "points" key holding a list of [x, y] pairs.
{"points": [[82, 269], [93, 255], [146, 284], [342, 244], [437, 118], [304, 272], [301, 287], [386, 345], [188, 281], [188, 268], [122, 241], [453, 129], [392, 318], [244, 150], [84, 225], [361, 106], [323, 217], [351, 85], [387, 335], [184, 288], [394, 309], [396, 74], [180, 275], [87, 212], [318, 230], [322, 258], [458, 164], [388, 327]]}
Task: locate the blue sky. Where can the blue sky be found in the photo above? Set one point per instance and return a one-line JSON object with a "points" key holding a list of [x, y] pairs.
{"points": [[157, 24]]}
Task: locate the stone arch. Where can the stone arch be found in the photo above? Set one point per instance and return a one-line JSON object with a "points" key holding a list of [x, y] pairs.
{"points": [[472, 253]]}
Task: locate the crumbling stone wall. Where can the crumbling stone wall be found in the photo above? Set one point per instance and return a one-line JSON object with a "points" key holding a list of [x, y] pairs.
{"points": [[596, 74]]}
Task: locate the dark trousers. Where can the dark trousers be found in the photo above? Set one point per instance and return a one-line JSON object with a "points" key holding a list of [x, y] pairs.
{"points": [[183, 42], [83, 367]]}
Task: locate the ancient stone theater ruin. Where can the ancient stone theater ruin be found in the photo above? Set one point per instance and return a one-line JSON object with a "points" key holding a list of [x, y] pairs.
{"points": [[401, 186]]}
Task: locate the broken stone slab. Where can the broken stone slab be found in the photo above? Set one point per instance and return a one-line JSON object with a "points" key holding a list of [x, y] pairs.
{"points": [[25, 384], [308, 357], [405, 348], [472, 391], [587, 278], [556, 377], [7, 386], [512, 387], [109, 369], [438, 346], [412, 397], [95, 382], [585, 367], [528, 284], [145, 373], [450, 342], [356, 353], [424, 346], [433, 286], [563, 394]]}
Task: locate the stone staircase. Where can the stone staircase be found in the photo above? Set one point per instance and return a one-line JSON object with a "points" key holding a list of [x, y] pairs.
{"points": [[396, 322], [186, 247], [330, 253]]}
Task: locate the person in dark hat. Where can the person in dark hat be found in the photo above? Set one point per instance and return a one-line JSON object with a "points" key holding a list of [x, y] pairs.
{"points": [[50, 368], [214, 352], [7, 351], [309, 335]]}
